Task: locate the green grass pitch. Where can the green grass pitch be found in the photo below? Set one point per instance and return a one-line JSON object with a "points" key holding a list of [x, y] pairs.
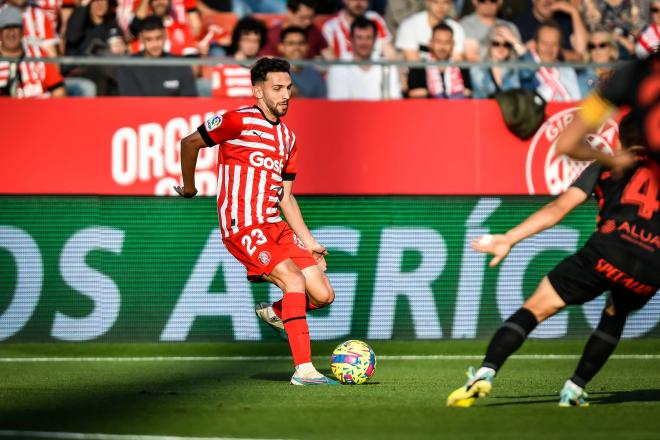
{"points": [[252, 398]]}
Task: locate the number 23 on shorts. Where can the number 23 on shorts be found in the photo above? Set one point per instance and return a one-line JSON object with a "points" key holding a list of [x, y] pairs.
{"points": [[259, 239]]}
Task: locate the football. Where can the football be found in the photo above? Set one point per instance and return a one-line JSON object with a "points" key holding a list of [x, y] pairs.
{"points": [[353, 362]]}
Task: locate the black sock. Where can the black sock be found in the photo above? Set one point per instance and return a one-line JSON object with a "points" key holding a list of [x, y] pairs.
{"points": [[599, 347], [509, 337]]}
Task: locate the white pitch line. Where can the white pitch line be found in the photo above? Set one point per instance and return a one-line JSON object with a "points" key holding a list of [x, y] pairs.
{"points": [[94, 436], [431, 357]]}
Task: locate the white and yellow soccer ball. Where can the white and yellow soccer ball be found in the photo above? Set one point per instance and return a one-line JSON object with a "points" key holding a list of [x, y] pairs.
{"points": [[353, 362]]}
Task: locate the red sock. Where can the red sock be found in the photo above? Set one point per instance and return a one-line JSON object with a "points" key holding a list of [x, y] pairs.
{"points": [[277, 307], [311, 306], [295, 324]]}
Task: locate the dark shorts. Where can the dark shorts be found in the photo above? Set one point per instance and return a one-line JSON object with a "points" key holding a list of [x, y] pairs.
{"points": [[586, 274]]}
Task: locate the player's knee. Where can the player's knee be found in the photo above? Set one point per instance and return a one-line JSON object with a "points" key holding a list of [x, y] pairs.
{"points": [[331, 295], [327, 296], [542, 311], [294, 281], [545, 302]]}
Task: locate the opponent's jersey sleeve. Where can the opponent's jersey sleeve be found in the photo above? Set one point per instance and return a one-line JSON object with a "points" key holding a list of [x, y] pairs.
{"points": [[588, 179], [220, 128], [291, 167]]}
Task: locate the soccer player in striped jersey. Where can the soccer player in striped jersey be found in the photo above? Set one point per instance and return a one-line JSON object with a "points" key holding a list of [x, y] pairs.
{"points": [[256, 170]]}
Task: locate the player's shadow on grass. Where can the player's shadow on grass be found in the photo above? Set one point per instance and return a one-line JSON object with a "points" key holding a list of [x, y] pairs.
{"points": [[286, 376], [522, 399], [613, 397], [125, 402], [280, 376], [596, 398]]}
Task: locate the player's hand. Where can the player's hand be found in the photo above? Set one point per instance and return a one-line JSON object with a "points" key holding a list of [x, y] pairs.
{"points": [[621, 162], [497, 245], [319, 252], [185, 192]]}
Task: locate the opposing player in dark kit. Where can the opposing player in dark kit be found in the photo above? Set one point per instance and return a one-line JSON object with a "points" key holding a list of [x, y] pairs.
{"points": [[621, 257]]}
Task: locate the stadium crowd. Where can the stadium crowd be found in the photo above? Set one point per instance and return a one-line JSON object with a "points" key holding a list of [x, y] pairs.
{"points": [[537, 31]]}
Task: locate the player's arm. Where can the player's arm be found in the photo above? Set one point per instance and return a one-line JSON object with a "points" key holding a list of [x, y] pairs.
{"points": [[215, 130], [294, 218], [594, 110], [190, 146], [500, 245]]}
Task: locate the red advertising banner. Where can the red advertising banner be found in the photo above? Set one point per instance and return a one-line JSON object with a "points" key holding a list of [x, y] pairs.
{"points": [[131, 146]]}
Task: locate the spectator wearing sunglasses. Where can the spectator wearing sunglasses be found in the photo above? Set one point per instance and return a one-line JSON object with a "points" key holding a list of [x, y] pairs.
{"points": [[567, 17], [601, 49], [478, 24], [500, 47], [623, 19], [649, 40]]}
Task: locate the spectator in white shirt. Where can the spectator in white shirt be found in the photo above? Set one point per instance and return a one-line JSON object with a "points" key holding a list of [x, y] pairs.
{"points": [[478, 24], [363, 82], [415, 31], [337, 31], [554, 84]]}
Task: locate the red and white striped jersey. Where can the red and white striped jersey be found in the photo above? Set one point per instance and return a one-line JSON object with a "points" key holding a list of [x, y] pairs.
{"points": [[231, 81], [337, 32], [255, 157], [37, 27], [648, 41], [29, 79], [180, 9], [126, 11], [52, 10]]}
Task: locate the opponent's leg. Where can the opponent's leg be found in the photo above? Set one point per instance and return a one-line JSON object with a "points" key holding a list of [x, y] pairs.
{"points": [[288, 277], [600, 346], [544, 303]]}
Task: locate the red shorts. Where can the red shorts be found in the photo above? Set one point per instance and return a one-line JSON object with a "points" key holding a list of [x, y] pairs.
{"points": [[262, 247]]}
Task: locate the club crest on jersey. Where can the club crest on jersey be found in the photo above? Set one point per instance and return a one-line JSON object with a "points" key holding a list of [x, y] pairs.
{"points": [[545, 171], [608, 227], [213, 123], [264, 257]]}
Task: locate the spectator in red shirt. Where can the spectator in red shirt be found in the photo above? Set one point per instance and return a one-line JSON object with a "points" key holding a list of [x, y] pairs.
{"points": [[20, 79], [180, 41], [300, 14]]}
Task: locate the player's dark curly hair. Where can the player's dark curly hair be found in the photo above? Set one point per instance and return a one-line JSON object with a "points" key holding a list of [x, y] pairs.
{"points": [[266, 65], [629, 133]]}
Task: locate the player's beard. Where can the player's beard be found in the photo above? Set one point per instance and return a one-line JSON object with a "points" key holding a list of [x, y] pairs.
{"points": [[272, 107]]}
